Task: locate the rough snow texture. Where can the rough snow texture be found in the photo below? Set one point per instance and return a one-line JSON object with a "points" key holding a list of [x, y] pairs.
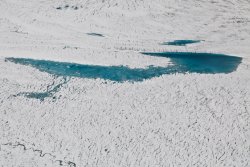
{"points": [[173, 120]]}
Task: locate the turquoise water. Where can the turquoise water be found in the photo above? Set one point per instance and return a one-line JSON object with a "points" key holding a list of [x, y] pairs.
{"points": [[181, 42], [204, 63], [183, 62], [96, 34], [113, 73]]}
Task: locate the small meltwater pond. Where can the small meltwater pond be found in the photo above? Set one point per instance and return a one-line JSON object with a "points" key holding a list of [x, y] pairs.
{"points": [[48, 93], [95, 34], [181, 42], [182, 62]]}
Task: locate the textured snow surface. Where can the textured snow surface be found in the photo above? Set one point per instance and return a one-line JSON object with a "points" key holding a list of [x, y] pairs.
{"points": [[171, 120]]}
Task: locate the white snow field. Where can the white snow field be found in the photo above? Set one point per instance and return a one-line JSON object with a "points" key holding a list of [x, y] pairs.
{"points": [[173, 120]]}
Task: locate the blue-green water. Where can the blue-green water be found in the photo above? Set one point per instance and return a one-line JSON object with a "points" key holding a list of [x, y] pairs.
{"points": [[204, 63], [181, 42], [183, 62], [113, 73], [95, 34]]}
